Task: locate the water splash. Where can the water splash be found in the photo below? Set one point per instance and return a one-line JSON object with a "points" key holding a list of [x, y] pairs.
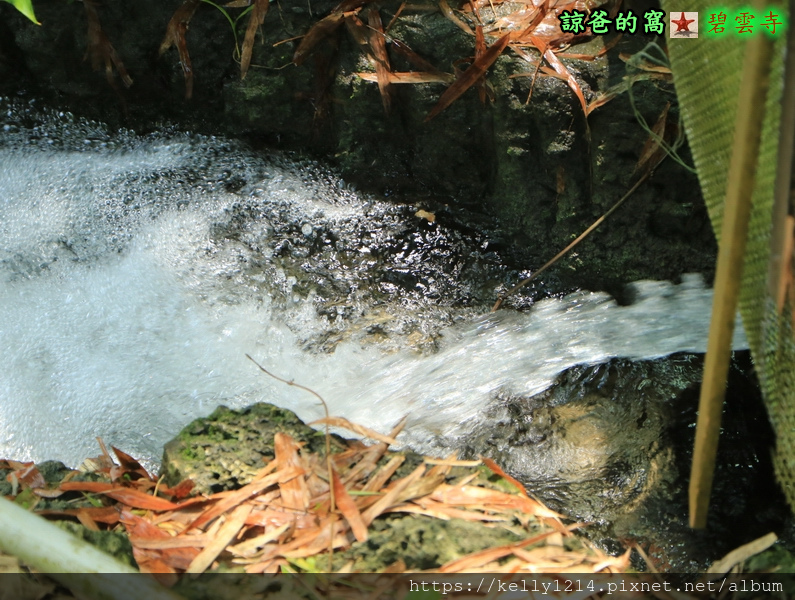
{"points": [[138, 272]]}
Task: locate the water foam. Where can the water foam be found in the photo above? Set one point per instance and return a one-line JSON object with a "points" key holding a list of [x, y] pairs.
{"points": [[125, 316]]}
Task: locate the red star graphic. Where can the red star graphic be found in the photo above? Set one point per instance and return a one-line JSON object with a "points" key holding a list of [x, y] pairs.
{"points": [[682, 23]]}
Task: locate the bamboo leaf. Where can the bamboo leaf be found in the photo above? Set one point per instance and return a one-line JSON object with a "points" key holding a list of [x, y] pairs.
{"points": [[255, 21], [348, 509], [476, 70], [175, 36], [25, 7], [318, 32], [378, 47]]}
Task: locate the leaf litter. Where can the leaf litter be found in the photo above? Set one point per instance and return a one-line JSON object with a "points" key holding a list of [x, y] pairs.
{"points": [[284, 515]]}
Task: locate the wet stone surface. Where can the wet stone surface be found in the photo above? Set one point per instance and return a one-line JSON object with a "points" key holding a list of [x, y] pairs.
{"points": [[609, 445], [612, 445]]}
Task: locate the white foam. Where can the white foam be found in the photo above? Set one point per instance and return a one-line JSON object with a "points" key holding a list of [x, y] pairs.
{"points": [[126, 323]]}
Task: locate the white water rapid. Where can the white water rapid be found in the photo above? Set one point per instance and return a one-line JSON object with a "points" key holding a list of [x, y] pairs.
{"points": [[123, 313]]}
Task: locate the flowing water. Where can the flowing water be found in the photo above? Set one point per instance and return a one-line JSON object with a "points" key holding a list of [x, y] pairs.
{"points": [[136, 272]]}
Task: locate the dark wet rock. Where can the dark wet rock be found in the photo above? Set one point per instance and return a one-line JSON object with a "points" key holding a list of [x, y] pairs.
{"points": [[593, 444], [533, 164], [612, 445]]}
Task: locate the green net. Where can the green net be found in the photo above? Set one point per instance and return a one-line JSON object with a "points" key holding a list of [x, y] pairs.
{"points": [[707, 73]]}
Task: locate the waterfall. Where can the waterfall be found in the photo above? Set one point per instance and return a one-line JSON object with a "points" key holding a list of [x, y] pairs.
{"points": [[136, 272]]}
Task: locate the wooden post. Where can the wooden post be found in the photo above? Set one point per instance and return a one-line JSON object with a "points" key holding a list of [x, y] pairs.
{"points": [[728, 276]]}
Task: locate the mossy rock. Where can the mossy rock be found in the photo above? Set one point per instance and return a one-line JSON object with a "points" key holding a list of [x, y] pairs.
{"points": [[115, 543], [420, 543], [227, 449]]}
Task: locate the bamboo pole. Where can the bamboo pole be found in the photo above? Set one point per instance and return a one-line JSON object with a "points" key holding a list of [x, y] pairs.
{"points": [[78, 565], [734, 231]]}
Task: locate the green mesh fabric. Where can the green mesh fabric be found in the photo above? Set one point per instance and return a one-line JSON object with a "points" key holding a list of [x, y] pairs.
{"points": [[707, 73]]}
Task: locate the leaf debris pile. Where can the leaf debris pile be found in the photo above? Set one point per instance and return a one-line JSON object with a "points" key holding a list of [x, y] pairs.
{"points": [[282, 520]]}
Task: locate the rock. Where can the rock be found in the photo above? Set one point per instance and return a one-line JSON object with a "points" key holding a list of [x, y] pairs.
{"points": [[533, 164], [611, 444], [227, 449]]}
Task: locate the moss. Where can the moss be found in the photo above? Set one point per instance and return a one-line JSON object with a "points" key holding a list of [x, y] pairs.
{"points": [[114, 543], [420, 543], [225, 450]]}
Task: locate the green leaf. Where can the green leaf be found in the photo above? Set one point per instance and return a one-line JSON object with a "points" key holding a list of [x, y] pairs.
{"points": [[25, 7]]}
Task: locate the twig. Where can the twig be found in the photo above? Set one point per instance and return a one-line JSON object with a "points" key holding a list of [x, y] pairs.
{"points": [[581, 237], [332, 498]]}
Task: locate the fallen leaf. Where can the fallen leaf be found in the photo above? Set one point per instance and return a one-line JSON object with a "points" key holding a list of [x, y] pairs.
{"points": [[470, 76], [494, 468], [356, 428], [255, 21], [243, 494], [294, 492], [175, 36], [225, 535], [378, 47], [424, 214], [348, 509], [449, 14], [318, 32]]}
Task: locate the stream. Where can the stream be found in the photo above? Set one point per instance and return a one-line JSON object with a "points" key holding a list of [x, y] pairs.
{"points": [[138, 271]]}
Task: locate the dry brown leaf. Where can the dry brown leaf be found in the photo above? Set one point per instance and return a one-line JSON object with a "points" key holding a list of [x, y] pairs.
{"points": [[28, 477], [348, 509], [255, 21], [390, 498], [411, 77], [180, 541], [415, 59], [423, 486], [494, 468], [100, 50], [175, 36], [744, 552], [295, 493], [272, 517], [600, 100], [129, 496], [244, 493], [225, 535], [424, 214], [252, 546], [470, 76], [478, 559], [378, 47], [356, 428], [467, 495], [379, 479], [359, 32], [425, 506], [448, 12], [318, 32], [565, 74]]}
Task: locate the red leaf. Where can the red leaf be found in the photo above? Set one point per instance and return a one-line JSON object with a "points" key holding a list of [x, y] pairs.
{"points": [[470, 76], [318, 32], [175, 36], [348, 509]]}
